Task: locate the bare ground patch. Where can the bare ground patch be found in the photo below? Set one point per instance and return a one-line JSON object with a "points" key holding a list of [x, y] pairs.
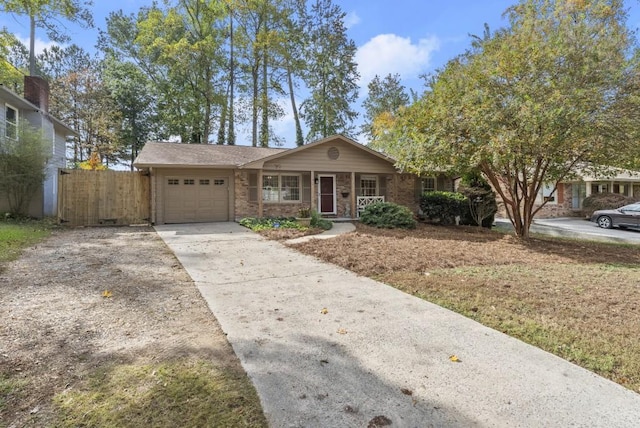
{"points": [[85, 304], [577, 299]]}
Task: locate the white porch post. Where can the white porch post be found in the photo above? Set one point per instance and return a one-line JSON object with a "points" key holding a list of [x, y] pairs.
{"points": [[353, 195], [312, 190], [587, 189], [260, 194]]}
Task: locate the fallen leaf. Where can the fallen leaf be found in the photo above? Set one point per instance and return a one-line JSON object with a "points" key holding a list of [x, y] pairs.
{"points": [[324, 311], [455, 359], [406, 391], [106, 293], [379, 421], [342, 331]]}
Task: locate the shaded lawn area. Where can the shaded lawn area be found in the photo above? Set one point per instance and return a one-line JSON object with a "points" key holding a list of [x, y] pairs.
{"points": [[579, 300], [17, 235]]}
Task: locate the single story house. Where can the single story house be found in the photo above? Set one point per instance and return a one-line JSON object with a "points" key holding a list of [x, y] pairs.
{"points": [[34, 108], [568, 197], [335, 176]]}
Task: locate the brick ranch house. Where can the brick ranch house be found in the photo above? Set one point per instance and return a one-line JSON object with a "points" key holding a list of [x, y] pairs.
{"points": [[568, 197], [335, 176]]}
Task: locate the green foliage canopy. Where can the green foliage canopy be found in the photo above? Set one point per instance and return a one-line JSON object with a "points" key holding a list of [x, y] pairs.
{"points": [[556, 91]]}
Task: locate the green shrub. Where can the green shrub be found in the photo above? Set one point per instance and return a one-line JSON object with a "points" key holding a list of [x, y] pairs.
{"points": [[319, 222], [258, 224], [442, 207], [480, 208], [604, 201], [388, 215]]}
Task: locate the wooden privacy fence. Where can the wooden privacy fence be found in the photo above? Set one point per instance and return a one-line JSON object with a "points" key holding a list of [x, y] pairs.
{"points": [[91, 198]]}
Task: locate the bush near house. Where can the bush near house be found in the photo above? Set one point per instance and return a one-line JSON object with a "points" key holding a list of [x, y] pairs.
{"points": [[388, 215], [473, 206], [442, 207], [604, 201]]}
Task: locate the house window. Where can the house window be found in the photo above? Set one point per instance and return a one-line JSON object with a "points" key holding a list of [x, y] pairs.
{"points": [[189, 181], [281, 188], [428, 184], [368, 185], [11, 122], [173, 181], [599, 188], [218, 182], [204, 182]]}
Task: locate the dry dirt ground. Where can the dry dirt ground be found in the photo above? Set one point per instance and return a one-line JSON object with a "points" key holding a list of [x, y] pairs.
{"points": [[87, 298]]}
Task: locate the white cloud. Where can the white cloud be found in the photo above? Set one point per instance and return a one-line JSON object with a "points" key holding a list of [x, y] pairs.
{"points": [[351, 19], [40, 45], [390, 53]]}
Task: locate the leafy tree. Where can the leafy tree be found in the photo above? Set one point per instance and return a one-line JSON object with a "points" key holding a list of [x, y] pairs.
{"points": [[556, 91], [331, 74], [134, 100], [386, 96], [45, 13], [22, 167], [14, 57], [179, 50]]}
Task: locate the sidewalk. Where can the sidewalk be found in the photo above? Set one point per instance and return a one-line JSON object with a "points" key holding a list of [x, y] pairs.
{"points": [[376, 354]]}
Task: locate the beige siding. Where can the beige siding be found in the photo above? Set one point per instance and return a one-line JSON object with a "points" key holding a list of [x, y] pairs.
{"points": [[317, 159], [160, 176]]}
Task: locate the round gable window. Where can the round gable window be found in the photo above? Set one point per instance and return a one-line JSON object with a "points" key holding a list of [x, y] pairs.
{"points": [[333, 153]]}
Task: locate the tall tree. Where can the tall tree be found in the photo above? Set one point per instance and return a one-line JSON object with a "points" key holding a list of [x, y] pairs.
{"points": [[331, 75], [555, 92], [180, 50], [384, 100], [14, 58], [44, 14], [131, 92]]}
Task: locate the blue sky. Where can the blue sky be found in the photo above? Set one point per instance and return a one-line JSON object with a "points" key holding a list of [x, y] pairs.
{"points": [[408, 37]]}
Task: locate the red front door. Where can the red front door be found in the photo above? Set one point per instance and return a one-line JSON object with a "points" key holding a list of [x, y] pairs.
{"points": [[327, 195]]}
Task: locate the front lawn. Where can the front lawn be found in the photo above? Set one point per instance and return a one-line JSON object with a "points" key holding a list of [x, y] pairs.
{"points": [[579, 300], [17, 235]]}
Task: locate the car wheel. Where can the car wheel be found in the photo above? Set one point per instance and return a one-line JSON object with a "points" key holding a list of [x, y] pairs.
{"points": [[605, 222]]}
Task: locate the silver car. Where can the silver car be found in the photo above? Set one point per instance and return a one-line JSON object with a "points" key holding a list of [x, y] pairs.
{"points": [[627, 216]]}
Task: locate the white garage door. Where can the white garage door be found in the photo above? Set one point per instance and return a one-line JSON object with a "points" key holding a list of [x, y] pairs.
{"points": [[196, 199]]}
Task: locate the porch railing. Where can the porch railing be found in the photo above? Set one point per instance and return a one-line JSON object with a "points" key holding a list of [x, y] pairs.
{"points": [[364, 201]]}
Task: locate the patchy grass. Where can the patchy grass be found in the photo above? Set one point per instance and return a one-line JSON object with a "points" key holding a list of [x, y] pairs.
{"points": [[579, 300], [17, 235], [178, 393]]}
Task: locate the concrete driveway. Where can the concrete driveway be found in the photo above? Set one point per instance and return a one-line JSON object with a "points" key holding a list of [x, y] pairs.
{"points": [[377, 355]]}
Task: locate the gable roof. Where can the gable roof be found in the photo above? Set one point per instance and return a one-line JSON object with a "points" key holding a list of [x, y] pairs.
{"points": [[259, 162], [21, 103], [162, 154]]}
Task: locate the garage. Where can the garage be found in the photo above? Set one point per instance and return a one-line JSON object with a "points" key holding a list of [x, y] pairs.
{"points": [[195, 198]]}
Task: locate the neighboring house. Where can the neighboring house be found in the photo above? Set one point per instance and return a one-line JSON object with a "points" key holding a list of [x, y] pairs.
{"points": [[34, 108], [567, 199], [335, 176]]}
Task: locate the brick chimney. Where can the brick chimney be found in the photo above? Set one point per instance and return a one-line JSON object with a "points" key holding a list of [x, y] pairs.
{"points": [[36, 91]]}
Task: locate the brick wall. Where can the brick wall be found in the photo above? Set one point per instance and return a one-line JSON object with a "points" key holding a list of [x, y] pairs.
{"points": [[404, 191]]}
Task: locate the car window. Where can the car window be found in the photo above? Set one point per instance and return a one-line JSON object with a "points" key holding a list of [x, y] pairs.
{"points": [[632, 207]]}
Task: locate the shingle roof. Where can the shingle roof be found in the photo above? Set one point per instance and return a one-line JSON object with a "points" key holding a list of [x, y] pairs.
{"points": [[199, 155]]}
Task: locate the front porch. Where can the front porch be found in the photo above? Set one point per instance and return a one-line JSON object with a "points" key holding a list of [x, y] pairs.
{"points": [[338, 196]]}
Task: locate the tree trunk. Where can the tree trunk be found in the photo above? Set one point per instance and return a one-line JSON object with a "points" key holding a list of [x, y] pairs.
{"points": [[231, 134], [294, 109], [254, 113], [264, 100], [32, 46]]}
